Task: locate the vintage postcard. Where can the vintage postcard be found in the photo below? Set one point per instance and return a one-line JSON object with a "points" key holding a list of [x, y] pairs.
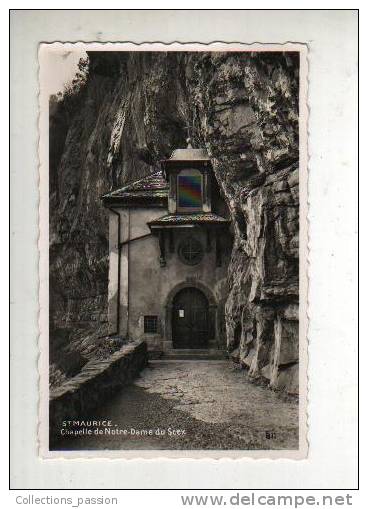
{"points": [[173, 250]]}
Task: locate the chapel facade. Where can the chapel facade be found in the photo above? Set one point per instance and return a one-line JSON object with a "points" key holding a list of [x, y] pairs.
{"points": [[169, 249]]}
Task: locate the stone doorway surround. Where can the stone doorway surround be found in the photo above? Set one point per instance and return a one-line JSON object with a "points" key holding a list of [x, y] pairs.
{"points": [[212, 313], [190, 319]]}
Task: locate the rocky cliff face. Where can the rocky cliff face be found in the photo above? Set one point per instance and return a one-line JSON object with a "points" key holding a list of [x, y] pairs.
{"points": [[133, 111]]}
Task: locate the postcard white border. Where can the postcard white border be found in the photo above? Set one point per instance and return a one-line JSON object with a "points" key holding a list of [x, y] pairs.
{"points": [[62, 48], [332, 39]]}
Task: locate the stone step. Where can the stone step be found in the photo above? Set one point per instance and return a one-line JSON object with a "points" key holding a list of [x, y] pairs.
{"points": [[195, 354]]}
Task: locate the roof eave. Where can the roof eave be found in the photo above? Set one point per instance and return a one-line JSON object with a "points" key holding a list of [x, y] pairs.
{"points": [[121, 201], [173, 224], [168, 163]]}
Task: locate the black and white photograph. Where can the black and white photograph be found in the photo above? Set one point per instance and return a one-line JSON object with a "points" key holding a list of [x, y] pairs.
{"points": [[183, 266], [173, 249]]}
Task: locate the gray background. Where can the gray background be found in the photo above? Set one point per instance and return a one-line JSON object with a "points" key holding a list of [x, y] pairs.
{"points": [[332, 40]]}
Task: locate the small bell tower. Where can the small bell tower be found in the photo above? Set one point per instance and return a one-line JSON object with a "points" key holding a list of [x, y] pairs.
{"points": [[191, 226], [189, 174]]}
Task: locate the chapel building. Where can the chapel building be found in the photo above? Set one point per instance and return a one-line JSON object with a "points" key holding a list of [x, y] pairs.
{"points": [[169, 244]]}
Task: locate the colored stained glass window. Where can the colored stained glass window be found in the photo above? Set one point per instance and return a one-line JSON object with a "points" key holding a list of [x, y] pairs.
{"points": [[190, 191]]}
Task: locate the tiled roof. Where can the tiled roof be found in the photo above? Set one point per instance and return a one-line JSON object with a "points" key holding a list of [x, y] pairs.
{"points": [[152, 187], [183, 219]]}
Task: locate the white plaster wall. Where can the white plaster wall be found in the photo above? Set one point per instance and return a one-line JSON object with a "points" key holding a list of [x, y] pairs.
{"points": [[124, 270], [113, 272], [150, 284]]}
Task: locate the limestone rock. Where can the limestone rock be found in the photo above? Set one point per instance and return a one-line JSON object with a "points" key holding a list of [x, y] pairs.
{"points": [[133, 111]]}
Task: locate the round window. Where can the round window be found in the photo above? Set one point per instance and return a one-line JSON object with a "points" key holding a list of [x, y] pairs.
{"points": [[190, 251]]}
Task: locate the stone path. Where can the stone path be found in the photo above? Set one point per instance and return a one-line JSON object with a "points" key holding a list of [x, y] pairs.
{"points": [[210, 402]]}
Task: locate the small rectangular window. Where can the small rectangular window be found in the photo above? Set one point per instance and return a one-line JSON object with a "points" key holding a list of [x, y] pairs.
{"points": [[190, 192], [150, 324]]}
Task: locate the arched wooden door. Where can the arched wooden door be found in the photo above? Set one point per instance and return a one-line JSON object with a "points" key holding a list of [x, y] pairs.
{"points": [[190, 319]]}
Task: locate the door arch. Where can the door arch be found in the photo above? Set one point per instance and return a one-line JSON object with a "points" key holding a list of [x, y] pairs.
{"points": [[190, 319]]}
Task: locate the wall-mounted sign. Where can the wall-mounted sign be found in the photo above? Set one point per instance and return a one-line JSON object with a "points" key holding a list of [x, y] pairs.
{"points": [[181, 313]]}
